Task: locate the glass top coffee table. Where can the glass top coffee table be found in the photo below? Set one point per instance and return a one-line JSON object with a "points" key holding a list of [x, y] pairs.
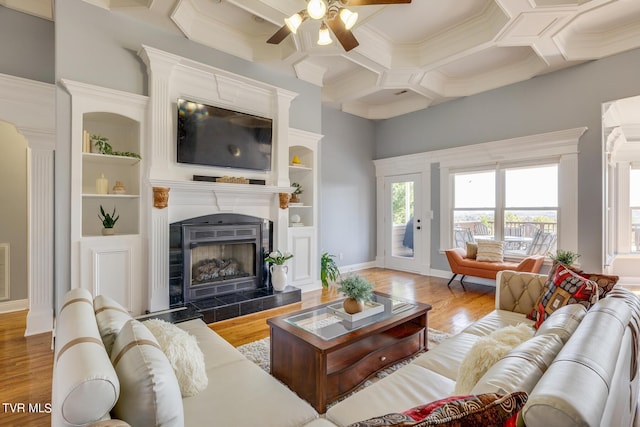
{"points": [[327, 324], [322, 356]]}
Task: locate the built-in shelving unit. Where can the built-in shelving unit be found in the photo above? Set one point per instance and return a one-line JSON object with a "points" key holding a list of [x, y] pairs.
{"points": [[303, 239], [109, 265]]}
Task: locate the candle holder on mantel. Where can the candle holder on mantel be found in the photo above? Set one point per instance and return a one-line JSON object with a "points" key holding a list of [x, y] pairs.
{"points": [[161, 197]]}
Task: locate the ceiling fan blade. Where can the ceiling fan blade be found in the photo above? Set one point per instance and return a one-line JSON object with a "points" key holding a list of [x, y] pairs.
{"points": [[374, 2], [344, 36], [280, 35]]}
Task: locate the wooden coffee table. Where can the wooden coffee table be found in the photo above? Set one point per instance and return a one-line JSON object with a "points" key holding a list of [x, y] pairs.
{"points": [[322, 357]]}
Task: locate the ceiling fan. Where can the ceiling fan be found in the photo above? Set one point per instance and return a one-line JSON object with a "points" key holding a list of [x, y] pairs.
{"points": [[334, 15]]}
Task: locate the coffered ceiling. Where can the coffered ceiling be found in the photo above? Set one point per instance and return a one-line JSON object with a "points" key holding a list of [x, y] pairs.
{"points": [[411, 56]]}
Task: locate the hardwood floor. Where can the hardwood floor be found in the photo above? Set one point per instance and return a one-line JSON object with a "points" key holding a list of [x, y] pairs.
{"points": [[26, 363]]}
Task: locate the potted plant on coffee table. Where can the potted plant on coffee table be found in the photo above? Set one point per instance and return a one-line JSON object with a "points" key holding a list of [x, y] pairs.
{"points": [[357, 289], [108, 221]]}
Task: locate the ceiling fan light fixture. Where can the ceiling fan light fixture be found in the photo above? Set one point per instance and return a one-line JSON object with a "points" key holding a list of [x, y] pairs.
{"points": [[316, 9], [324, 38], [293, 22], [348, 18]]}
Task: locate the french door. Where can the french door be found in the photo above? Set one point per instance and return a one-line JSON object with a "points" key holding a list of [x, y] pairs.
{"points": [[403, 222]]}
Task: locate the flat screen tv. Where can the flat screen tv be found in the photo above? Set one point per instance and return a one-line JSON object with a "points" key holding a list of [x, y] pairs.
{"points": [[214, 136]]}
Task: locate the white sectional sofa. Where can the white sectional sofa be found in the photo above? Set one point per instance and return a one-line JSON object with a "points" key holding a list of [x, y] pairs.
{"points": [[86, 386], [580, 369]]}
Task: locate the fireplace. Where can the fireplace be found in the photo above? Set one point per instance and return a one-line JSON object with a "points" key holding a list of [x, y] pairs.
{"points": [[217, 255]]}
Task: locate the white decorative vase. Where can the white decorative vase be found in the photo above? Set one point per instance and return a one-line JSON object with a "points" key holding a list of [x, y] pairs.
{"points": [[278, 276]]}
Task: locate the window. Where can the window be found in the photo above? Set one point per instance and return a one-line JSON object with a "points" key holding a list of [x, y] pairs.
{"points": [[518, 205], [634, 205]]}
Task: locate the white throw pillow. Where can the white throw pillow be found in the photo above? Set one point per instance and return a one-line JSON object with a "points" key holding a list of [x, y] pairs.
{"points": [[486, 352], [184, 354], [149, 391], [490, 251], [110, 317]]}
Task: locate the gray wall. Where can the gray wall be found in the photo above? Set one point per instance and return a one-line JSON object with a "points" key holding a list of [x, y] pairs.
{"points": [[347, 187], [98, 47], [13, 206], [561, 100], [26, 46]]}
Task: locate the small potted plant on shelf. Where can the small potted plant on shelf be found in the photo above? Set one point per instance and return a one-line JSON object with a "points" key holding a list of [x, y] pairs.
{"points": [[565, 257], [295, 196], [357, 289], [102, 144], [108, 221], [328, 269]]}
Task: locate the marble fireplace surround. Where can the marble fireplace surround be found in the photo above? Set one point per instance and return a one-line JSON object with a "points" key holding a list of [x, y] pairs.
{"points": [[172, 77]]}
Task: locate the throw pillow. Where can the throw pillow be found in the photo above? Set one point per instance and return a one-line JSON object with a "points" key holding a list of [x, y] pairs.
{"points": [[184, 354], [562, 288], [149, 391], [490, 251], [605, 282], [111, 317], [472, 250], [458, 411], [486, 351]]}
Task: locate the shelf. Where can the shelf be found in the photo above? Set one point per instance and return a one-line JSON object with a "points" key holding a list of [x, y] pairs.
{"points": [[299, 168], [103, 159], [110, 196], [299, 206]]}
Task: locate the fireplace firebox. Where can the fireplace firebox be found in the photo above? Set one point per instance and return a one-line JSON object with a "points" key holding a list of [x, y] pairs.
{"points": [[217, 255]]}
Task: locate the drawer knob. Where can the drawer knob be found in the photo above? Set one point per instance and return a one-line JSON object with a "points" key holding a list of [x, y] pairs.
{"points": [[383, 358]]}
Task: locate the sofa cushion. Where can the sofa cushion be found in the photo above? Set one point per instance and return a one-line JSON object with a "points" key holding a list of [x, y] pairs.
{"points": [[149, 391], [409, 386], [242, 394], [522, 367], [472, 250], [186, 358], [82, 392], [495, 320], [455, 411], [111, 317], [486, 352], [564, 287], [217, 351], [490, 251], [563, 322]]}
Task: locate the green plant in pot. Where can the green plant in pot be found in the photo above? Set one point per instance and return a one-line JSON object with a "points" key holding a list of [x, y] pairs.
{"points": [[328, 269], [295, 196], [108, 221], [565, 257], [357, 289]]}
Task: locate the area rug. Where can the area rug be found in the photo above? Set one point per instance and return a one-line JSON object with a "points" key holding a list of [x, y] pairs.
{"points": [[258, 352]]}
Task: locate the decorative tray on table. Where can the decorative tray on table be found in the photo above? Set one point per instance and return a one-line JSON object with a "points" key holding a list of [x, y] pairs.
{"points": [[371, 308]]}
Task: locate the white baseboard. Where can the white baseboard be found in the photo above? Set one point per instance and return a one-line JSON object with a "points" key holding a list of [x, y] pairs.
{"points": [[39, 322], [356, 267], [17, 305]]}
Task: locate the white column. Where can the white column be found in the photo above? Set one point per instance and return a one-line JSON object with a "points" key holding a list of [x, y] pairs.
{"points": [[160, 66], [282, 103], [41, 190]]}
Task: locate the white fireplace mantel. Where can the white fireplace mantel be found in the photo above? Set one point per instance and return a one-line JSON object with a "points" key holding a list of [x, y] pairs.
{"points": [[225, 197]]}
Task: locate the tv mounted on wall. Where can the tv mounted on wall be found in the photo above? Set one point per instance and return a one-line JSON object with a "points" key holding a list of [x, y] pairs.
{"points": [[214, 136]]}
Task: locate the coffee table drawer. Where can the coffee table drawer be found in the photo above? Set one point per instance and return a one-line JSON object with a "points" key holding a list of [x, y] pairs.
{"points": [[344, 380]]}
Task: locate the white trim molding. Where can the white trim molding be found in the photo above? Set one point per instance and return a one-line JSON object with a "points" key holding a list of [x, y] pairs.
{"points": [[560, 146], [30, 106]]}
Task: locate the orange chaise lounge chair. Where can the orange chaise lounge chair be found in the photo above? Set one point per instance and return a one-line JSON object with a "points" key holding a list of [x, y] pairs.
{"points": [[488, 270]]}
